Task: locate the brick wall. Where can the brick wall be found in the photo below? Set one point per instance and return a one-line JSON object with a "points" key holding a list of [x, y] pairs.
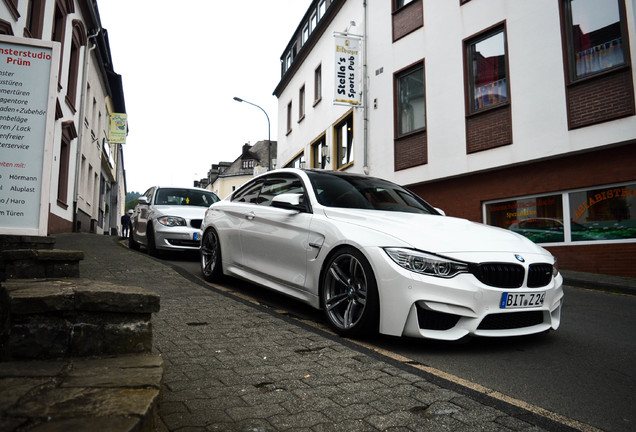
{"points": [[463, 197], [489, 129], [611, 259], [600, 99], [410, 151], [408, 19]]}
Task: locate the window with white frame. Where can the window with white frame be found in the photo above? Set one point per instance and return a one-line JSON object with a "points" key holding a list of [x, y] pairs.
{"points": [[322, 7], [600, 214], [305, 34], [288, 61]]}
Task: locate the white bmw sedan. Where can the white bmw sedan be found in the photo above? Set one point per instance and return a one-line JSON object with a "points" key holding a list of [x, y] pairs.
{"points": [[169, 219], [376, 257]]}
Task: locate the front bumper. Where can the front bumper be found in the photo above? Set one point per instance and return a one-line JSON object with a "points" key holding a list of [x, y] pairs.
{"points": [[449, 309], [177, 238]]}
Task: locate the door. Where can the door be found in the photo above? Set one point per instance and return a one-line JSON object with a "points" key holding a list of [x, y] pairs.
{"points": [[274, 241]]}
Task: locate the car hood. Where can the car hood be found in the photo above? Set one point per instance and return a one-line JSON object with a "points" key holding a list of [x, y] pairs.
{"points": [[187, 212], [438, 234]]}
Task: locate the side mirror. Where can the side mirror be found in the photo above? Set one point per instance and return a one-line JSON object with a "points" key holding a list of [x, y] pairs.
{"points": [[289, 201], [143, 200], [440, 211]]}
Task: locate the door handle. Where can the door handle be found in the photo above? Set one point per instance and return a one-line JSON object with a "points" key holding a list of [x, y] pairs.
{"points": [[250, 216]]}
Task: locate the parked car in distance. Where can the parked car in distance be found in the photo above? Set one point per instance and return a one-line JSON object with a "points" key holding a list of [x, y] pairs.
{"points": [[376, 257], [169, 219]]}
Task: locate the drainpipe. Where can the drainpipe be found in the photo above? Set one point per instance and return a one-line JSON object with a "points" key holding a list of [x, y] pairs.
{"points": [[365, 98], [82, 114]]}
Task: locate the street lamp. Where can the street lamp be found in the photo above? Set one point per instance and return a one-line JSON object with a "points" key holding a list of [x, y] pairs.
{"points": [[269, 142]]}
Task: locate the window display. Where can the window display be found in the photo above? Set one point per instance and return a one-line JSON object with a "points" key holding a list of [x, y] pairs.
{"points": [[600, 214], [540, 219], [604, 214]]}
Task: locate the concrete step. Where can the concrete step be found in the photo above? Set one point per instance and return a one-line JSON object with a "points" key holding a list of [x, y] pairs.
{"points": [[8, 242], [39, 263], [51, 318]]}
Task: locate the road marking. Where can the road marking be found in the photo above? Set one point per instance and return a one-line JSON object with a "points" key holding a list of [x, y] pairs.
{"points": [[484, 390]]}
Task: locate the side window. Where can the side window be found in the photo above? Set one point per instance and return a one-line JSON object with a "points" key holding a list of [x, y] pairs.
{"points": [[487, 71], [279, 184], [595, 37], [410, 100], [343, 133], [248, 194], [320, 153], [318, 84], [297, 162]]}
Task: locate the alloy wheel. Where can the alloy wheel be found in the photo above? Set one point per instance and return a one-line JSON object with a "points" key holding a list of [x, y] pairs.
{"points": [[210, 256], [345, 291]]}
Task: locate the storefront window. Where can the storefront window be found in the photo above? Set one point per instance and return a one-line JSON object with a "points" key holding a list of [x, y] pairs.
{"points": [[604, 214], [297, 162], [343, 132], [540, 219]]}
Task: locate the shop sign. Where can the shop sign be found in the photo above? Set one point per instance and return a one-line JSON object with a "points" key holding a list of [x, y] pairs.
{"points": [[348, 62], [28, 80], [118, 128]]}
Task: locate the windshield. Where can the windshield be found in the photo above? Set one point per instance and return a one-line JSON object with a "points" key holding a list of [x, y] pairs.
{"points": [[352, 191], [185, 197]]}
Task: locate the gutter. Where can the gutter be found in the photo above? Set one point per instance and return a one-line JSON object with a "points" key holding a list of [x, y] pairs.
{"points": [[82, 115]]}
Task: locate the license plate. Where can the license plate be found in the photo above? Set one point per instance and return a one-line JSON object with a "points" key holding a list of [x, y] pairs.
{"points": [[195, 236], [521, 300]]}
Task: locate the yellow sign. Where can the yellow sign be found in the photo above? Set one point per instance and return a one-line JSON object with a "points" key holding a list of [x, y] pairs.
{"points": [[118, 128]]}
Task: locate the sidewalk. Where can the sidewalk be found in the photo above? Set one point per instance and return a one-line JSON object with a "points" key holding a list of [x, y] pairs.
{"points": [[599, 282], [230, 365]]}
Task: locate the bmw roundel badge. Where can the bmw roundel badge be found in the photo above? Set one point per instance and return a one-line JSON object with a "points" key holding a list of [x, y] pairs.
{"points": [[519, 258]]}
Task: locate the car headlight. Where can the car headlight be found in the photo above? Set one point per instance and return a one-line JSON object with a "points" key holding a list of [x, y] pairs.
{"points": [[427, 264], [172, 221]]}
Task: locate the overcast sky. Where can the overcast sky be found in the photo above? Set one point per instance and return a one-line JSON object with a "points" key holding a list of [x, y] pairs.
{"points": [[181, 67]]}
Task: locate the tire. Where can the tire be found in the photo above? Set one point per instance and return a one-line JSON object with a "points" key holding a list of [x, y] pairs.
{"points": [[150, 238], [210, 256], [132, 244], [349, 294]]}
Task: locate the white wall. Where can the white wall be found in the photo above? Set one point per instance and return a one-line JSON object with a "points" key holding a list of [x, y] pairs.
{"points": [[320, 118], [537, 88]]}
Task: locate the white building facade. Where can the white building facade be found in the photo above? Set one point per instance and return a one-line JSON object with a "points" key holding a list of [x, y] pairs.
{"points": [[87, 178], [513, 113]]}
